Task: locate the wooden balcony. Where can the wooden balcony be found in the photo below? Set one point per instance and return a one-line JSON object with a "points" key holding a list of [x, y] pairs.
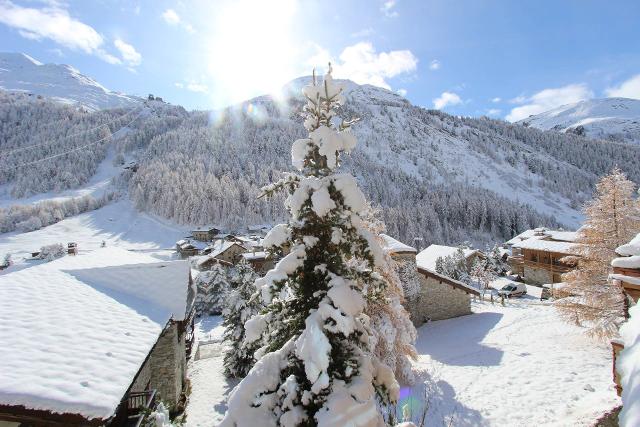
{"points": [[554, 267], [139, 404]]}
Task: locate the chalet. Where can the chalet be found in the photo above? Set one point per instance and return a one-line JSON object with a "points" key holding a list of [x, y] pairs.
{"points": [[626, 273], [206, 262], [229, 252], [259, 261], [114, 326], [537, 255], [185, 249], [206, 234], [72, 248], [428, 295]]}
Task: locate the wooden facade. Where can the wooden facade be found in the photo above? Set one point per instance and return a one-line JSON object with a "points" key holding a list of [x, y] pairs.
{"points": [[527, 262]]}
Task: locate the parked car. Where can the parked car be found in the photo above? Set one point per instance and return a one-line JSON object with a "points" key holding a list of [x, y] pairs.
{"points": [[513, 290]]}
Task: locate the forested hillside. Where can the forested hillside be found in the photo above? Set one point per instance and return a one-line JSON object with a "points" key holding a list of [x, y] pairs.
{"points": [[445, 179]]}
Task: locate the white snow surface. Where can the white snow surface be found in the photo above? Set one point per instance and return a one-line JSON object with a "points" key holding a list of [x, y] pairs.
{"points": [[546, 245], [393, 246], [76, 330], [628, 366], [63, 83], [627, 262], [630, 249], [518, 365], [427, 257], [617, 118]]}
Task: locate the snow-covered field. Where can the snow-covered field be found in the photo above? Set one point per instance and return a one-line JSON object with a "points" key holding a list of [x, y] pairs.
{"points": [[117, 224], [517, 365]]}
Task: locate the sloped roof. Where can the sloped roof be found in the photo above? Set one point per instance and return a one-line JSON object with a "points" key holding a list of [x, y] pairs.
{"points": [[394, 246], [428, 257], [75, 331], [547, 245]]}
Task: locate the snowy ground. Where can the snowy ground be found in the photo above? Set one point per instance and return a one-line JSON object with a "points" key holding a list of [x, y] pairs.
{"points": [[207, 402], [117, 224], [517, 365]]}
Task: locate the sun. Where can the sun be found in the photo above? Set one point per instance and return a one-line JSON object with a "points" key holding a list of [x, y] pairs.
{"points": [[251, 48]]}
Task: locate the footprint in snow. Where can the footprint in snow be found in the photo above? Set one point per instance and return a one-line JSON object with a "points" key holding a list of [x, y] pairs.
{"points": [[84, 383], [588, 387]]}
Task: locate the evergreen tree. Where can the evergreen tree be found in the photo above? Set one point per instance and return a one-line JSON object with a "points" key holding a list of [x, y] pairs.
{"points": [[317, 365], [495, 263], [612, 219], [212, 289], [242, 303]]}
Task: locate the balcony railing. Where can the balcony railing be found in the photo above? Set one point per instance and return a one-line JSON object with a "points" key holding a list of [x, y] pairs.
{"points": [[139, 405]]}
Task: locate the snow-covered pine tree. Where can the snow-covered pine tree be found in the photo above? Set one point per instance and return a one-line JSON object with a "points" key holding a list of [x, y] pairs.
{"points": [[242, 303], [454, 266], [318, 366], [212, 289], [612, 219], [496, 263]]}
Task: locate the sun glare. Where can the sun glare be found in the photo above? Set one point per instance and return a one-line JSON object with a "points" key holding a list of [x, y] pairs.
{"points": [[251, 49]]}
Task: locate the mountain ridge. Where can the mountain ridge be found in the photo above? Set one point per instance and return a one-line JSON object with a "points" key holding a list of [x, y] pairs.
{"points": [[616, 119], [21, 73]]}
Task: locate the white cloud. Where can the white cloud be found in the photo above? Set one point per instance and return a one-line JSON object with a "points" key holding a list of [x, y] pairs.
{"points": [[171, 17], [129, 53], [627, 89], [547, 99], [496, 99], [434, 65], [52, 23], [192, 86], [387, 8], [362, 64], [493, 112], [402, 92], [446, 99]]}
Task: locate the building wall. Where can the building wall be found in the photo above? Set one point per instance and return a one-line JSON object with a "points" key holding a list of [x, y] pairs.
{"points": [[537, 276], [168, 365], [425, 297], [438, 301], [165, 369], [231, 254]]}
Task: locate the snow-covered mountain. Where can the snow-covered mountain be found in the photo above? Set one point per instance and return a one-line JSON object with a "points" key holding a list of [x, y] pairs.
{"points": [[20, 72], [439, 177], [616, 119]]}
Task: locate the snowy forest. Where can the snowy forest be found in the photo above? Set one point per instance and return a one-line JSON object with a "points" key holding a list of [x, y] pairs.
{"points": [[437, 177]]}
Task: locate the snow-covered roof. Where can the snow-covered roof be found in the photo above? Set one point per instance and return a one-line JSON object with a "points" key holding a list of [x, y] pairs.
{"points": [[628, 366], [543, 234], [394, 246], [631, 248], [75, 331], [563, 236], [428, 257], [627, 262], [223, 248], [546, 245], [254, 255]]}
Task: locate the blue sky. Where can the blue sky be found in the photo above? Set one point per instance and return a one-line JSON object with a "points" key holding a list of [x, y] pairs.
{"points": [[502, 58]]}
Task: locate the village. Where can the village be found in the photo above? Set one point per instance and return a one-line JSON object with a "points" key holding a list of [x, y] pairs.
{"points": [[164, 340], [305, 230]]}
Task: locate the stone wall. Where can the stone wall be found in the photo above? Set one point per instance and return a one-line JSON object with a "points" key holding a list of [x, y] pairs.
{"points": [[427, 298], [439, 300], [537, 276], [165, 368]]}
